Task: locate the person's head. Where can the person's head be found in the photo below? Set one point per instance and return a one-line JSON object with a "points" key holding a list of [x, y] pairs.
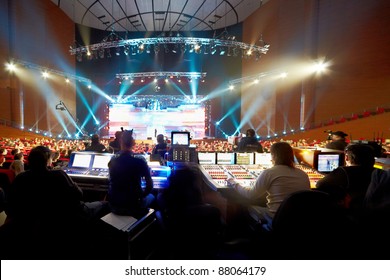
{"points": [[184, 186], [15, 151], [18, 156], [118, 134], [360, 154], [250, 133], [160, 139], [95, 139], [38, 158], [282, 154], [127, 140], [338, 136], [55, 156]]}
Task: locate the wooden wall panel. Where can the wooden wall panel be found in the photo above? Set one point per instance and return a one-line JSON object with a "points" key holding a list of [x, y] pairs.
{"points": [[352, 36]]}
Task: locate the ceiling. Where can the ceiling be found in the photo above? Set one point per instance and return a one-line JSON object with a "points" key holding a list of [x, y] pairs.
{"points": [[158, 15]]}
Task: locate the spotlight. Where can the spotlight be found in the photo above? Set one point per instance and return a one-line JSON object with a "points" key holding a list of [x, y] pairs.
{"points": [[126, 50], [222, 51], [118, 51], [101, 53], [60, 106], [175, 48], [79, 57], [134, 50], [108, 53], [147, 48], [11, 67], [141, 48], [257, 56], [183, 48], [213, 49], [156, 48]]}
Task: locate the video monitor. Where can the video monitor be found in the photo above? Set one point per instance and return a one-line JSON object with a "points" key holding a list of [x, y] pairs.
{"points": [[81, 160], [225, 158], [327, 162], [245, 158], [263, 159], [101, 161], [180, 138], [207, 158]]}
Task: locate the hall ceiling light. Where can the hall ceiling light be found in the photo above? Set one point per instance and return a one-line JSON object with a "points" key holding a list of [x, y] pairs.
{"points": [[45, 72]]}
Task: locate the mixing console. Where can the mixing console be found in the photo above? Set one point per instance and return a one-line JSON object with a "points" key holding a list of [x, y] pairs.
{"points": [[218, 174], [313, 174], [246, 175]]}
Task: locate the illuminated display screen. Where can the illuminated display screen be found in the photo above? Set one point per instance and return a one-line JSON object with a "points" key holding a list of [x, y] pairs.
{"points": [[225, 158], [181, 138], [149, 122], [81, 160], [207, 158], [328, 162], [245, 158], [263, 159], [101, 161]]}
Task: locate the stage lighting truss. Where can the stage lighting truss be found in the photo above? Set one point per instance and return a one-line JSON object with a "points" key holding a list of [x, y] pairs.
{"points": [[162, 75], [228, 46]]}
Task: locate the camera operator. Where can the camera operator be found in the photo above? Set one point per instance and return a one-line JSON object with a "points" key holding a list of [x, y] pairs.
{"points": [[338, 141]]}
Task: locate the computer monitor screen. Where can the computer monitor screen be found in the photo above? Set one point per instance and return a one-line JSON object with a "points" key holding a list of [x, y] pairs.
{"points": [[327, 162], [81, 160], [263, 159], [207, 158], [225, 158], [180, 138], [101, 161], [245, 158]]}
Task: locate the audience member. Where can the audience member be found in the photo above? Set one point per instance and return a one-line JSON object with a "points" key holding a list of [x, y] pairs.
{"points": [[17, 164], [46, 205], [338, 141], [56, 163], [378, 192], [2, 160], [348, 184], [95, 145], [116, 143], [125, 193], [249, 143], [193, 228], [161, 147], [276, 182]]}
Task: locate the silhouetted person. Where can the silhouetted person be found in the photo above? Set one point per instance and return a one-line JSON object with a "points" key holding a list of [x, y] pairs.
{"points": [[348, 184], [276, 182], [193, 228], [116, 143], [161, 147], [249, 143], [95, 145], [125, 193], [45, 212], [338, 141]]}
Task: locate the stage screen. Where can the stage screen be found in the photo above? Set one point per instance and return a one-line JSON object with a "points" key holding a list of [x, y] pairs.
{"points": [[149, 121]]}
